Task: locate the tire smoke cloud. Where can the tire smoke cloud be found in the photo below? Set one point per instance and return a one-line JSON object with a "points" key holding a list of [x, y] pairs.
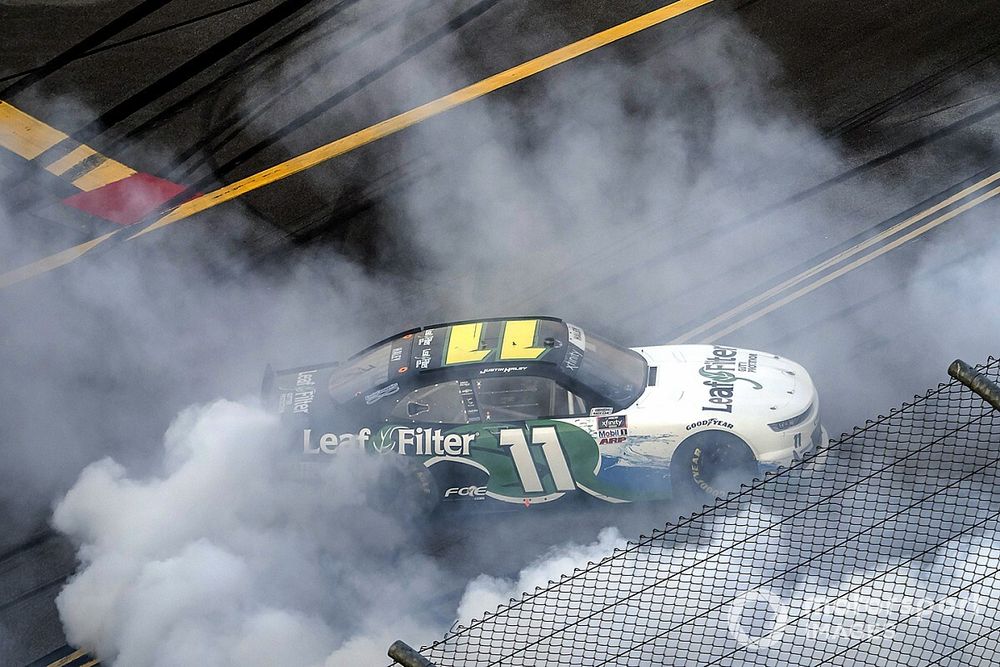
{"points": [[616, 192]]}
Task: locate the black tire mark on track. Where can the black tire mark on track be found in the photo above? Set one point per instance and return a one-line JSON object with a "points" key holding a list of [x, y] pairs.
{"points": [[161, 117], [137, 38], [218, 171], [37, 590], [927, 139], [239, 123], [236, 123], [876, 111], [188, 69], [358, 85], [339, 213], [124, 21], [30, 543]]}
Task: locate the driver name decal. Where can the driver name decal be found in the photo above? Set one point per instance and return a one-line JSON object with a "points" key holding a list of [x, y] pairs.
{"points": [[721, 380]]}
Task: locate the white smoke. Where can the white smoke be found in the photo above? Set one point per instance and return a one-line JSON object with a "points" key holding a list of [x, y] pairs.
{"points": [[485, 592], [618, 199], [232, 555]]}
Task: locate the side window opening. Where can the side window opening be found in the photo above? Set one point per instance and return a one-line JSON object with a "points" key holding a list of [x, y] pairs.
{"points": [[525, 397], [439, 403], [495, 399]]}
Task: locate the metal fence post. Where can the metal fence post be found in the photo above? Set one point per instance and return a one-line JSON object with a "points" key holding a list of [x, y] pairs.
{"points": [[976, 381], [406, 655]]}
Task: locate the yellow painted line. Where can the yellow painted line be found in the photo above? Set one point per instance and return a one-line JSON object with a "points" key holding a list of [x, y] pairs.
{"points": [[423, 112], [108, 171], [74, 157], [24, 135], [28, 137], [75, 655], [51, 262], [91, 663], [859, 262], [832, 261]]}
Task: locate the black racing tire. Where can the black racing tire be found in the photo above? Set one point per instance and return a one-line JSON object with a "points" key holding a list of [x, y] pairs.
{"points": [[711, 464], [405, 487]]}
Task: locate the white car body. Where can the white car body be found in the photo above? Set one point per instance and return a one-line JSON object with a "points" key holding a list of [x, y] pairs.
{"points": [[741, 391]]}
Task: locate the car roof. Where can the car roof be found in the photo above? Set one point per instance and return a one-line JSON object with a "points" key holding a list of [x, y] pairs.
{"points": [[453, 350], [448, 325]]}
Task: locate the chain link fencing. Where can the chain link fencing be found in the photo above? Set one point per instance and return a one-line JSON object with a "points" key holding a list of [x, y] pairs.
{"points": [[880, 548]]}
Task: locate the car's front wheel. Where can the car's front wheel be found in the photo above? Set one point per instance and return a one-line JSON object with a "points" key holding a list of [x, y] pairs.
{"points": [[711, 464]]}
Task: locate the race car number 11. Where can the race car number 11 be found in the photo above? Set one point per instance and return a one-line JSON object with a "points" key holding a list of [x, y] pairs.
{"points": [[547, 439]]}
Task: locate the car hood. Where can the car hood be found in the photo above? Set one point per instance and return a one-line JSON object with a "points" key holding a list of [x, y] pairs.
{"points": [[724, 382]]}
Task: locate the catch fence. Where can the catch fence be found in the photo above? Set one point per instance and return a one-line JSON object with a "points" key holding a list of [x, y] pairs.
{"points": [[881, 548]]}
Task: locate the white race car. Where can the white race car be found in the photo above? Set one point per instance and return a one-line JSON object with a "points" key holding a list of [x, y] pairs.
{"points": [[717, 416], [525, 411]]}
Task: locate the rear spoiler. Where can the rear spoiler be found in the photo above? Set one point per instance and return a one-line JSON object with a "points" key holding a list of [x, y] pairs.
{"points": [[270, 375], [267, 383]]}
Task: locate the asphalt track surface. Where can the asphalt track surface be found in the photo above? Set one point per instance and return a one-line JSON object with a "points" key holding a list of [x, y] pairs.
{"points": [[905, 92]]}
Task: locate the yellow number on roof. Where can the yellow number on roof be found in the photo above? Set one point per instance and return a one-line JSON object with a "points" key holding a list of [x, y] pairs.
{"points": [[464, 343], [518, 339]]}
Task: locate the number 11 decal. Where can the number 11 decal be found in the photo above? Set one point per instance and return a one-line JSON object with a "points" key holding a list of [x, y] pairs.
{"points": [[547, 438]]}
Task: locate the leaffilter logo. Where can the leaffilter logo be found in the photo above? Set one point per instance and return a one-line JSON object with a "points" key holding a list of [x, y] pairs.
{"points": [[385, 440], [725, 377], [721, 380]]}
